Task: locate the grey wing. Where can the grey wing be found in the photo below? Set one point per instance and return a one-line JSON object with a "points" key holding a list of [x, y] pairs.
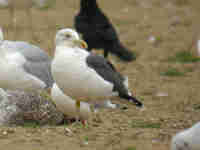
{"points": [[38, 63], [31, 52], [107, 71], [41, 70]]}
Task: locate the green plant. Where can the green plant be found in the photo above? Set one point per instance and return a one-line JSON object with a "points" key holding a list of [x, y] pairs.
{"points": [[158, 38], [184, 57], [86, 138], [31, 124], [172, 72], [130, 148], [143, 124], [196, 107]]}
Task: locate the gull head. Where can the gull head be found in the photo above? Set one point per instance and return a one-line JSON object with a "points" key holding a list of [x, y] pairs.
{"points": [[70, 38], [1, 35]]}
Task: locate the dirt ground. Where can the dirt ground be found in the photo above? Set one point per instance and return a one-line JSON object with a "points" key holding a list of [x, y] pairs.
{"points": [[171, 103]]}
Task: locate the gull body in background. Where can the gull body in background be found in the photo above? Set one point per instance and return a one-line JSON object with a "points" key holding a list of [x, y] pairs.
{"points": [[98, 32], [188, 139], [3, 3], [23, 66], [80, 74]]}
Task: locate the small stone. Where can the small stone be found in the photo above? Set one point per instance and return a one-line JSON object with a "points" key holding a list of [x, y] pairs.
{"points": [[17, 107], [85, 143], [162, 94], [176, 20], [152, 39], [125, 10], [5, 133], [11, 131], [28, 135], [198, 47], [68, 131]]}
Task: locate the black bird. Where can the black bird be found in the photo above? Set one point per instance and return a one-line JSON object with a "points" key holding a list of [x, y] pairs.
{"points": [[98, 32]]}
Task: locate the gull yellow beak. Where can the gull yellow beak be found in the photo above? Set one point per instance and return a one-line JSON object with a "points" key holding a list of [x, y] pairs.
{"points": [[81, 44]]}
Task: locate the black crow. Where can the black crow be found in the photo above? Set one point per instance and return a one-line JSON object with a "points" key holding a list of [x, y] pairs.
{"points": [[98, 32]]}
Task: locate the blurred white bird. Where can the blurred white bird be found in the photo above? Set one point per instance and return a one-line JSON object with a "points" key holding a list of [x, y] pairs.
{"points": [[3, 3], [23, 66], [198, 47], [188, 139]]}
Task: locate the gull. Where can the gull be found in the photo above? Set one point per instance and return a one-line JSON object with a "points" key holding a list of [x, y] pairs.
{"points": [[24, 67], [81, 74], [187, 139], [67, 105]]}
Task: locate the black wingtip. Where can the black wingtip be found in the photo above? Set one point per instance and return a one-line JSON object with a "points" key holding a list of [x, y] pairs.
{"points": [[134, 100]]}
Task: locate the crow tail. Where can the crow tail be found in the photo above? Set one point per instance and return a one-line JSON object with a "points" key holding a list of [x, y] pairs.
{"points": [[123, 53]]}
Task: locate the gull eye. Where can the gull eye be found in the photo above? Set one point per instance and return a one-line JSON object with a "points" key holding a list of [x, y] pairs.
{"points": [[68, 36]]}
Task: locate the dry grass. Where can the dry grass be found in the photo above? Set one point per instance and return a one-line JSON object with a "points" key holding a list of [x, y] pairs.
{"points": [[174, 23]]}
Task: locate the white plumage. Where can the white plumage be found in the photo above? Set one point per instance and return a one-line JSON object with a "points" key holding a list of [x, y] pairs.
{"points": [[71, 72], [13, 76], [188, 139], [82, 75], [67, 105]]}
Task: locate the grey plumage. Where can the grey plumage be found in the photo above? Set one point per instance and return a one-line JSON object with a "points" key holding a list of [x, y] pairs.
{"points": [[107, 71], [41, 71], [31, 52], [38, 63]]}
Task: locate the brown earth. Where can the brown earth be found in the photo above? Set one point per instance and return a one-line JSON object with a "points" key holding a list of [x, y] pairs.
{"points": [[175, 24]]}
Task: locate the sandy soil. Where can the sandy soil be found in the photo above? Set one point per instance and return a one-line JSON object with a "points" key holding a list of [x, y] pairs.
{"points": [[174, 23]]}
